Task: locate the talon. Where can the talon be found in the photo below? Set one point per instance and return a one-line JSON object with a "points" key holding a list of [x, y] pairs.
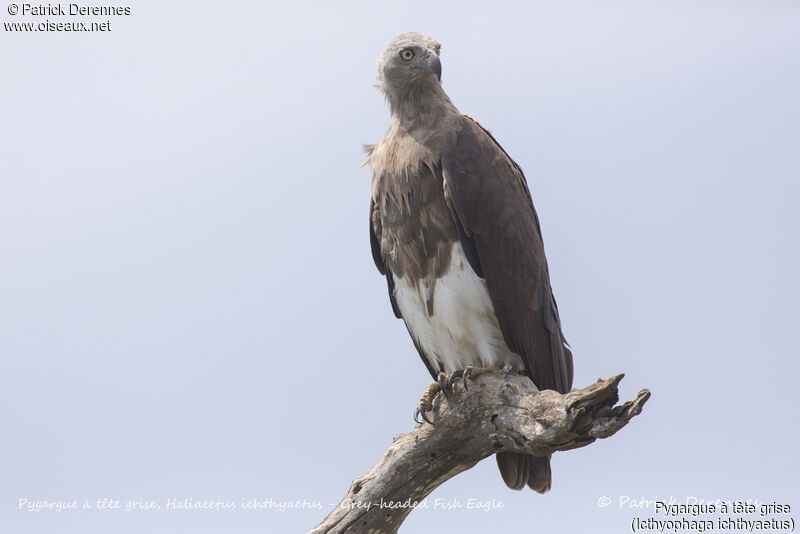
{"points": [[426, 403], [424, 415], [421, 411], [508, 370], [467, 374], [455, 376], [444, 384]]}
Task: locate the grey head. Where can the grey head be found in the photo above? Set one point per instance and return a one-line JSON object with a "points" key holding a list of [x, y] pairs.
{"points": [[410, 60]]}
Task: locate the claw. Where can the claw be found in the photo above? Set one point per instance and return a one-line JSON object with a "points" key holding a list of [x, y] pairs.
{"points": [[508, 370], [421, 411], [453, 377], [467, 373], [444, 384], [463, 374], [426, 403]]}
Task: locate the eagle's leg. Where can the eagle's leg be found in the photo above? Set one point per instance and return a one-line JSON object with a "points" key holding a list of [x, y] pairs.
{"points": [[464, 374], [426, 403], [444, 384]]}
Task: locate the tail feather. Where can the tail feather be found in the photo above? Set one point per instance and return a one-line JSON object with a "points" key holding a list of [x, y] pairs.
{"points": [[519, 470], [540, 477]]}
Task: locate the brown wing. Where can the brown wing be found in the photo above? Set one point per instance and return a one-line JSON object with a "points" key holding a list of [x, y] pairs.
{"points": [[489, 199], [375, 243]]}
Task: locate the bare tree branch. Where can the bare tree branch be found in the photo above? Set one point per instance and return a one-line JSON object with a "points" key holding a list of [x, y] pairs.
{"points": [[498, 413]]}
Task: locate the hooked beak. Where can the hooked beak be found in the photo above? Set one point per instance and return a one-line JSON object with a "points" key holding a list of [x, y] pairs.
{"points": [[435, 66]]}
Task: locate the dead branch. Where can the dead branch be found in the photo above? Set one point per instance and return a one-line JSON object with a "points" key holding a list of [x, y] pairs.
{"points": [[498, 413]]}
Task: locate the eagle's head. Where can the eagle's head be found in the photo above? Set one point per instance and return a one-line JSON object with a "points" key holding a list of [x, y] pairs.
{"points": [[409, 60]]}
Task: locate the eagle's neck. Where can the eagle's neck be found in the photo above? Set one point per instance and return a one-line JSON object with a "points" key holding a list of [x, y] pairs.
{"points": [[420, 107]]}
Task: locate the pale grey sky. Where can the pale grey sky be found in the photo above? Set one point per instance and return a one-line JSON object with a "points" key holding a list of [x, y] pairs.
{"points": [[188, 304]]}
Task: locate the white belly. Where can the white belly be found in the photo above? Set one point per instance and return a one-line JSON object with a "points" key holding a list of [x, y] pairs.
{"points": [[463, 329]]}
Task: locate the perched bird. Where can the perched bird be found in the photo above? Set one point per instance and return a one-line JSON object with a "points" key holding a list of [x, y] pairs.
{"points": [[454, 230]]}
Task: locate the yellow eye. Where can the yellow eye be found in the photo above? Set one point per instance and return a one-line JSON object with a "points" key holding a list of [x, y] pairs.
{"points": [[407, 54]]}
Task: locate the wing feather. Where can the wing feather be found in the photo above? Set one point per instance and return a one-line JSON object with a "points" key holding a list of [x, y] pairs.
{"points": [[377, 257], [490, 202]]}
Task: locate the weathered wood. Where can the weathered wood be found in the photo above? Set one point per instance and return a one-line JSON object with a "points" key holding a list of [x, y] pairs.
{"points": [[498, 413]]}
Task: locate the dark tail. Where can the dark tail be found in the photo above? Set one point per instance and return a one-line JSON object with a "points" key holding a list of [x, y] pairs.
{"points": [[519, 470]]}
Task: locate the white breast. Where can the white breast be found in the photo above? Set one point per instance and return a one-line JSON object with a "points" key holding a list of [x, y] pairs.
{"points": [[463, 328]]}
